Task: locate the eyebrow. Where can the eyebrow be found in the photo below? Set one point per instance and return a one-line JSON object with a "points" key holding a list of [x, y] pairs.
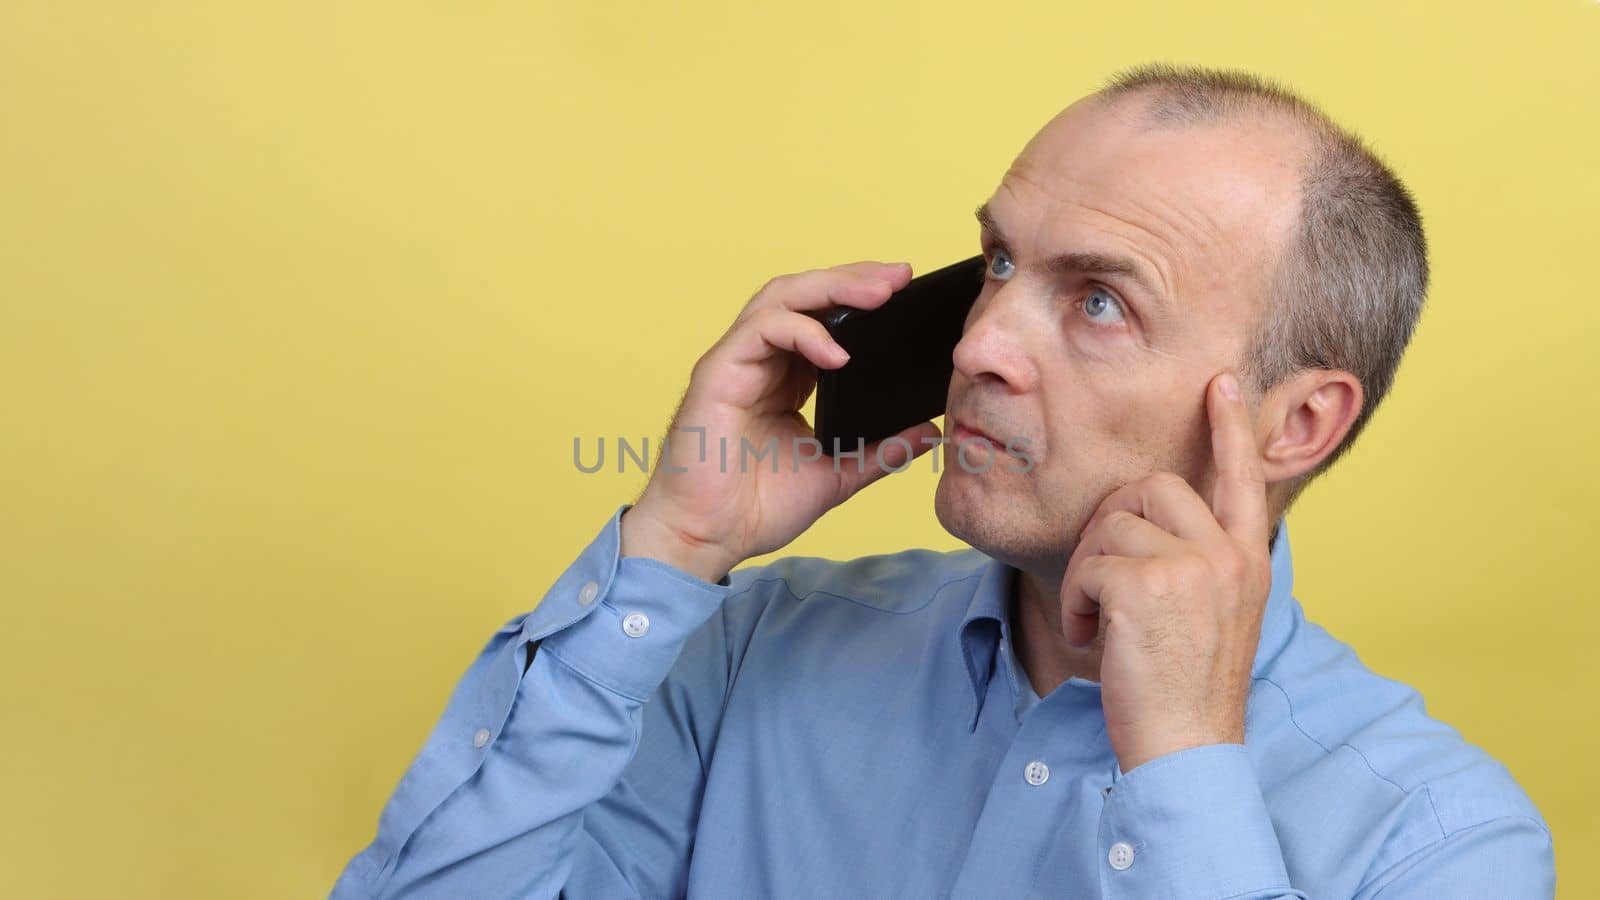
{"points": [[1085, 263]]}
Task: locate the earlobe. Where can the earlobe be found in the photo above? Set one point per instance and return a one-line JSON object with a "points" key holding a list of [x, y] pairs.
{"points": [[1310, 414]]}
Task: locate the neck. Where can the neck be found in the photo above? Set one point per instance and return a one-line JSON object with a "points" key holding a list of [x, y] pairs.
{"points": [[1036, 635]]}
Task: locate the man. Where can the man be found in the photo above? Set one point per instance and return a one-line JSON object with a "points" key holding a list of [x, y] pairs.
{"points": [[1198, 289]]}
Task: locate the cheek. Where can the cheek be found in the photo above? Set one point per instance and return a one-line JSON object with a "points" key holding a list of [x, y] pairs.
{"points": [[1119, 423], [1097, 352], [1163, 434], [1118, 411], [1137, 419]]}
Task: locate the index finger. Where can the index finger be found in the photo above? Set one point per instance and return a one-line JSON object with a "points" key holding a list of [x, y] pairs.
{"points": [[866, 284], [1239, 500]]}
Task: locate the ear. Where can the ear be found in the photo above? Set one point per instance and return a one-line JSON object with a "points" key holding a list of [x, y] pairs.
{"points": [[1303, 420]]}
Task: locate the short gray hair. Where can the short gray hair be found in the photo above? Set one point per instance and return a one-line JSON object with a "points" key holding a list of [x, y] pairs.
{"points": [[1350, 287]]}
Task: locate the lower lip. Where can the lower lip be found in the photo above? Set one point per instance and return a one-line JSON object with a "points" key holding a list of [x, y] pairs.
{"points": [[963, 435]]}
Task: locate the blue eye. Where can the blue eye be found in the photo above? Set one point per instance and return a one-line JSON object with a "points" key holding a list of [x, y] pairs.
{"points": [[1001, 266], [1098, 302]]}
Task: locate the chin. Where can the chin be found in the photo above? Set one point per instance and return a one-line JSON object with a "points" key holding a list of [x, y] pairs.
{"points": [[968, 507], [971, 508]]}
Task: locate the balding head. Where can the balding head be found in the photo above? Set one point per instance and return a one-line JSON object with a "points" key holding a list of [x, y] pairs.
{"points": [[1349, 287], [1174, 225]]}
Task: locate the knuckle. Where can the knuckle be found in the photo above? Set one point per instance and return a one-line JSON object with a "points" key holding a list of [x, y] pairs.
{"points": [[1235, 568], [1089, 568], [1230, 566], [774, 284], [701, 366], [1153, 579], [768, 321], [1165, 481], [809, 324], [858, 268], [1190, 570], [1173, 580], [1120, 522]]}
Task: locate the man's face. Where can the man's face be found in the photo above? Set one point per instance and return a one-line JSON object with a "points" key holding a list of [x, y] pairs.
{"points": [[1103, 373]]}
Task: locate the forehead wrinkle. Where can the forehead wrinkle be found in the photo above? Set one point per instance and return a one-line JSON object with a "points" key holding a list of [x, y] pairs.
{"points": [[1195, 224], [1227, 249], [1168, 301], [1164, 279], [1197, 231]]}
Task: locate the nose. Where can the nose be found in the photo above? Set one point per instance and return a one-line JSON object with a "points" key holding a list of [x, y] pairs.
{"points": [[993, 346]]}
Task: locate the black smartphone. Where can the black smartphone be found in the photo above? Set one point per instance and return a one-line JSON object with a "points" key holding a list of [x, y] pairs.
{"points": [[900, 358]]}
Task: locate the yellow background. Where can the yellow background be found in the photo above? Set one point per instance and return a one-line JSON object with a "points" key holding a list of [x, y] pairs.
{"points": [[301, 305]]}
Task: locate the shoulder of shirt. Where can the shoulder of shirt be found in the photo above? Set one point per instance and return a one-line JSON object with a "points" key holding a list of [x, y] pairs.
{"points": [[1339, 704], [898, 583]]}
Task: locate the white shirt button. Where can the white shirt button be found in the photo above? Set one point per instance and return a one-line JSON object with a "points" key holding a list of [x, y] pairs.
{"points": [[1037, 773], [635, 625], [588, 592], [481, 739], [1121, 856]]}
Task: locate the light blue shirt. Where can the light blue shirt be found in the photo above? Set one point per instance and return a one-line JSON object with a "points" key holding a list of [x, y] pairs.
{"points": [[812, 728]]}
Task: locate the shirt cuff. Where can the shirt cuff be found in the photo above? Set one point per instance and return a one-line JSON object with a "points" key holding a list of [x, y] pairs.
{"points": [[1191, 823], [622, 621]]}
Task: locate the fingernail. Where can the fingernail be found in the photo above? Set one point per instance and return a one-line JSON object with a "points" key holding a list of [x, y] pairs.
{"points": [[1229, 386], [840, 353]]}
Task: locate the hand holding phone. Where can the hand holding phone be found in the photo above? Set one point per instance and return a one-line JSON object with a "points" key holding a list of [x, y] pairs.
{"points": [[709, 505], [900, 358]]}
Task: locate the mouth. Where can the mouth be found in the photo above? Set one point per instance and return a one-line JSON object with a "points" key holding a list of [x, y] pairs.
{"points": [[964, 433]]}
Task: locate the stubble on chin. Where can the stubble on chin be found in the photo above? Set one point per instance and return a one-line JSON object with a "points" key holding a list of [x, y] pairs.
{"points": [[989, 523], [1003, 527]]}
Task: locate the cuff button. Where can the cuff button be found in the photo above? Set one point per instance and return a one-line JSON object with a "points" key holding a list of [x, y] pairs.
{"points": [[636, 625]]}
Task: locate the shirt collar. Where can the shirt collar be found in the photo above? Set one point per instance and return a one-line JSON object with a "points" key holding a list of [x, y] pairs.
{"points": [[982, 627]]}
